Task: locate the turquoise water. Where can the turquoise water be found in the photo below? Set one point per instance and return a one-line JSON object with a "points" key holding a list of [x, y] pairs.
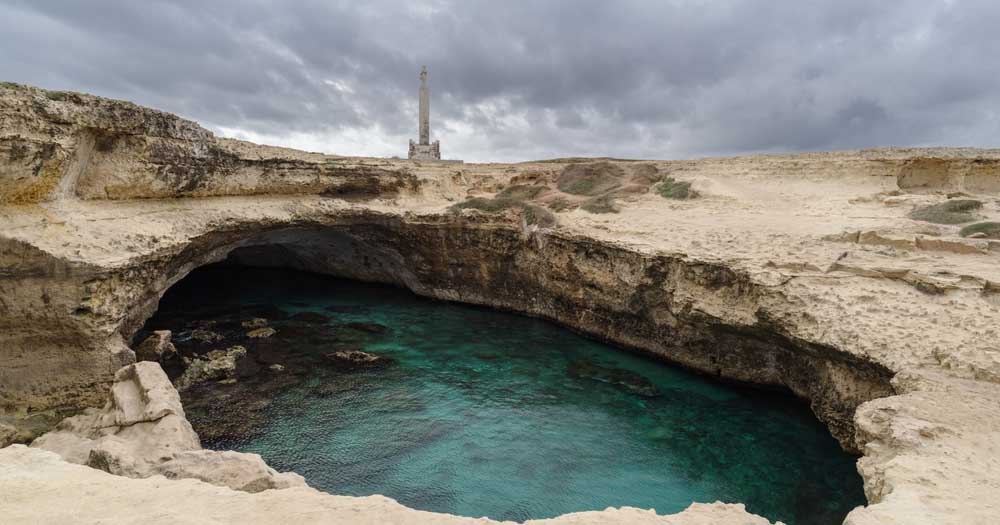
{"points": [[492, 414]]}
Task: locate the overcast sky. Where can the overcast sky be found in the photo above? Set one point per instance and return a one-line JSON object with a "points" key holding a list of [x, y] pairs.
{"points": [[519, 80]]}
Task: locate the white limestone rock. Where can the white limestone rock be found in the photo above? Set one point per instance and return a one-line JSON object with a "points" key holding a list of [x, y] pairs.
{"points": [[142, 432], [38, 487], [236, 470]]}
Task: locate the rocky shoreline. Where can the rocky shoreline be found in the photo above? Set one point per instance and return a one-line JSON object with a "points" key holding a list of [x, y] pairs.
{"points": [[886, 330]]}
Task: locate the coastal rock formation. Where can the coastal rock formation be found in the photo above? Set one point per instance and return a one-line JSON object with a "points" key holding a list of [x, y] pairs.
{"points": [[215, 365], [35, 482], [142, 432], [157, 347], [803, 273]]}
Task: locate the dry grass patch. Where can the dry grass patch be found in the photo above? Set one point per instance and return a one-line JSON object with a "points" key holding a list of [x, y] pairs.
{"points": [[671, 188], [590, 179], [989, 230], [956, 211], [600, 204]]}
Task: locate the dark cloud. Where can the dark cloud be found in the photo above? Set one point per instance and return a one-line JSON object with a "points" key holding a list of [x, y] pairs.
{"points": [[519, 80]]}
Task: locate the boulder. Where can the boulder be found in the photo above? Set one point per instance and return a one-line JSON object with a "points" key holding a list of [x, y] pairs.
{"points": [[142, 432], [206, 336], [230, 363], [261, 333], [349, 360], [256, 322], [236, 470], [156, 347]]}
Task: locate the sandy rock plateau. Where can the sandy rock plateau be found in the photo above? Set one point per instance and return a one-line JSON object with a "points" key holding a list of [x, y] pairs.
{"points": [[865, 282]]}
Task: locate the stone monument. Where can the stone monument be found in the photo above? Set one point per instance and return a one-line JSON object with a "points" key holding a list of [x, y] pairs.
{"points": [[425, 149]]}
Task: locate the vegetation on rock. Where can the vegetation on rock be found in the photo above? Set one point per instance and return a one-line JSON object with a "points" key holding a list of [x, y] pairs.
{"points": [[671, 188], [990, 230], [590, 179], [601, 204], [512, 197], [955, 211]]}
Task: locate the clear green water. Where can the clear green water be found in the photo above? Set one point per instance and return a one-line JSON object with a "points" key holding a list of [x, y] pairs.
{"points": [[481, 415]]}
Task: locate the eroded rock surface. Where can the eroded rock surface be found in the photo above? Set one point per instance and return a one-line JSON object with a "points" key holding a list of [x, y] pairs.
{"points": [[802, 272], [38, 483], [142, 432]]}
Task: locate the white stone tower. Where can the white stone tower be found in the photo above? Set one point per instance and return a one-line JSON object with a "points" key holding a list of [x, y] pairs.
{"points": [[425, 149]]}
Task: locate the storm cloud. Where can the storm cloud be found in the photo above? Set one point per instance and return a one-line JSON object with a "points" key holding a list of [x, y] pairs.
{"points": [[524, 80]]}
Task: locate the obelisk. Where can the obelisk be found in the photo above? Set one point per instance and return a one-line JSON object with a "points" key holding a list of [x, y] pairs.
{"points": [[425, 109], [424, 149]]}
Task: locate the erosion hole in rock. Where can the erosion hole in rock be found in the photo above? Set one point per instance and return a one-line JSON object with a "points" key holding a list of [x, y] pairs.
{"points": [[479, 412]]}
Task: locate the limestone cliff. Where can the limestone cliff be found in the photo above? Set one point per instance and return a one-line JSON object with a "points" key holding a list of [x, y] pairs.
{"points": [[805, 272]]}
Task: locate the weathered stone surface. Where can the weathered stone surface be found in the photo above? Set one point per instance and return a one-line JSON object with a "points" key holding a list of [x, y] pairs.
{"points": [[760, 280], [215, 365], [39, 487], [261, 333], [142, 432], [7, 434], [238, 471], [156, 347]]}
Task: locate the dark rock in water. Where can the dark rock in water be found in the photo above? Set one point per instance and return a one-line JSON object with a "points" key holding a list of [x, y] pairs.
{"points": [[266, 311], [269, 352], [206, 336], [256, 322], [310, 317], [627, 380], [341, 309], [348, 360], [371, 328]]}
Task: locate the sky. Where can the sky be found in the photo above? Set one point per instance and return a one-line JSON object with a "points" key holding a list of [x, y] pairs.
{"points": [[520, 80]]}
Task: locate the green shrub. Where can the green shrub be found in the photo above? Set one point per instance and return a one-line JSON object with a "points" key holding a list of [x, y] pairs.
{"points": [[56, 95], [532, 214], [600, 204], [676, 189], [590, 179], [9, 85], [483, 204], [521, 192], [955, 211], [538, 215], [560, 204], [990, 229]]}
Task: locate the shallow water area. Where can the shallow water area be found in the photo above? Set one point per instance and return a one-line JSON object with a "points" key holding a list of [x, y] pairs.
{"points": [[485, 413]]}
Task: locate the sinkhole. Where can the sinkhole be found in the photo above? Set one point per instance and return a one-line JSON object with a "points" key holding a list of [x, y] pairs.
{"points": [[476, 412]]}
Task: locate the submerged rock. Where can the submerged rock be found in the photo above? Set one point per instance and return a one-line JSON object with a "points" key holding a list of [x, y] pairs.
{"points": [[310, 317], [256, 322], [371, 328], [205, 336], [627, 380], [261, 333], [230, 363], [348, 360]]}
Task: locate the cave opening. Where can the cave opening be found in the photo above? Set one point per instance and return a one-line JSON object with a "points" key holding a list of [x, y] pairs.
{"points": [[469, 410]]}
